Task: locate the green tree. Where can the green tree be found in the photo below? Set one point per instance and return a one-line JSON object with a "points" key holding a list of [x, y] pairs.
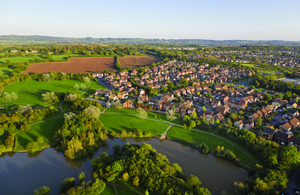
{"points": [[81, 177], [287, 95], [258, 121], [42, 191], [68, 183], [33, 147], [203, 108], [228, 122], [192, 124], [203, 148], [136, 181], [39, 140]]}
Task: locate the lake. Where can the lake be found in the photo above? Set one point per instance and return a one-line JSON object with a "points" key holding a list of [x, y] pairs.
{"points": [[22, 173]]}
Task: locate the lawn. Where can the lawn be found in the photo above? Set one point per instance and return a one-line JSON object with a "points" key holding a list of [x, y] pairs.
{"points": [[21, 59], [62, 57], [152, 115], [45, 129], [30, 92], [109, 190], [268, 72], [180, 134], [6, 70], [118, 122], [122, 191]]}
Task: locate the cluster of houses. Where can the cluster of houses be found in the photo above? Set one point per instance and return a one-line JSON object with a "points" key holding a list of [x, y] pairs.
{"points": [[26, 51], [280, 58]]}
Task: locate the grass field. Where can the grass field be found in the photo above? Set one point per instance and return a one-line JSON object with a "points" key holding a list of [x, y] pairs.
{"points": [[45, 129], [122, 191], [177, 133], [30, 92], [268, 72], [109, 190], [21, 59], [6, 70], [118, 122]]}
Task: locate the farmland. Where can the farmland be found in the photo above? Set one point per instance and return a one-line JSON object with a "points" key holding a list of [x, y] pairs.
{"points": [[137, 61], [78, 65]]}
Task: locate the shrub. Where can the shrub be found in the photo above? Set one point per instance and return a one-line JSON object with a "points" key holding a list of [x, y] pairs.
{"points": [[68, 183], [42, 191], [33, 147], [40, 140]]}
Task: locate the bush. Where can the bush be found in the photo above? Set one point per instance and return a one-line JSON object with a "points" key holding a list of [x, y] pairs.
{"points": [[204, 148], [42, 191], [33, 147], [40, 140], [68, 183]]}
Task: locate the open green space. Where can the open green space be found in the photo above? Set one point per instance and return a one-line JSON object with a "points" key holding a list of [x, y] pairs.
{"points": [[45, 129], [118, 122], [268, 72], [122, 191], [30, 92], [109, 190], [6, 70], [152, 115], [21, 59], [180, 134], [62, 57], [130, 186]]}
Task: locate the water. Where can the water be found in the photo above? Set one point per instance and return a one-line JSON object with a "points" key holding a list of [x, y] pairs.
{"points": [[22, 173]]}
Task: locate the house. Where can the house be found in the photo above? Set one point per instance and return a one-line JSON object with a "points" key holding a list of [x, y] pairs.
{"points": [[268, 133], [294, 141], [281, 138], [152, 101], [291, 105], [113, 97], [292, 113], [141, 92], [294, 123], [294, 99], [239, 124], [205, 113], [183, 110], [215, 103], [128, 104], [248, 124], [123, 95], [158, 105], [143, 99], [107, 93], [190, 111], [219, 116], [176, 93], [286, 127], [188, 104]]}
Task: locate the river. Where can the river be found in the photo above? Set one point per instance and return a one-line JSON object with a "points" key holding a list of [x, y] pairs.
{"points": [[22, 173]]}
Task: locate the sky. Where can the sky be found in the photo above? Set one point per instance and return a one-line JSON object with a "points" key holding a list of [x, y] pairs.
{"points": [[163, 19]]}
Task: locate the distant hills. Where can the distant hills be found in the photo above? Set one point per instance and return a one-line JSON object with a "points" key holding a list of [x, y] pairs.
{"points": [[36, 39]]}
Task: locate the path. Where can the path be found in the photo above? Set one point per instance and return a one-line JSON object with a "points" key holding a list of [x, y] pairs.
{"points": [[292, 183], [164, 135], [212, 134], [114, 185], [86, 89]]}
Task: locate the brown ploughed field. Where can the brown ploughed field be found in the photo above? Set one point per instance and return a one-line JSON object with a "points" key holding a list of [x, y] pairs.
{"points": [[137, 61], [78, 65]]}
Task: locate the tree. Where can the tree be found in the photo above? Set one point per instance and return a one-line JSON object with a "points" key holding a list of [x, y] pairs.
{"points": [[171, 114], [228, 122], [192, 124], [194, 115], [83, 87], [50, 97], [39, 140], [6, 97], [217, 121], [136, 181], [125, 176], [71, 97], [68, 183], [258, 121], [146, 192], [81, 177], [33, 147], [186, 118], [92, 111], [142, 113], [76, 87], [108, 104], [203, 148], [267, 97], [14, 96], [46, 77], [69, 116], [42, 191], [233, 116], [86, 79], [23, 109], [193, 181], [203, 109]]}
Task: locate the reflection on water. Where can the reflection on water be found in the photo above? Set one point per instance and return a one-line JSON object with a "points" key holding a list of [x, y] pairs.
{"points": [[49, 167]]}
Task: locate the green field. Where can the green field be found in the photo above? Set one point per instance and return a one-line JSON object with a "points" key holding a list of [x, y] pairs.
{"points": [[118, 122], [122, 191], [45, 129], [22, 59], [30, 92], [6, 70], [109, 190], [268, 72], [180, 134]]}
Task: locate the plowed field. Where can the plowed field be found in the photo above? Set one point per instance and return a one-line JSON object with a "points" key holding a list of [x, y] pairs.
{"points": [[137, 61], [78, 65]]}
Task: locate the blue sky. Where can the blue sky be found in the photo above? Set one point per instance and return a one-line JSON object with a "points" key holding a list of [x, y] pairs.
{"points": [[199, 19]]}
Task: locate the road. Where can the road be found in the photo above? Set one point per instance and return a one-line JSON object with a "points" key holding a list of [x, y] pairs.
{"points": [[292, 183]]}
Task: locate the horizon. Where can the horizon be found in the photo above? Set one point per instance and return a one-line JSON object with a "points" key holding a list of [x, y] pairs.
{"points": [[153, 38], [218, 20]]}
